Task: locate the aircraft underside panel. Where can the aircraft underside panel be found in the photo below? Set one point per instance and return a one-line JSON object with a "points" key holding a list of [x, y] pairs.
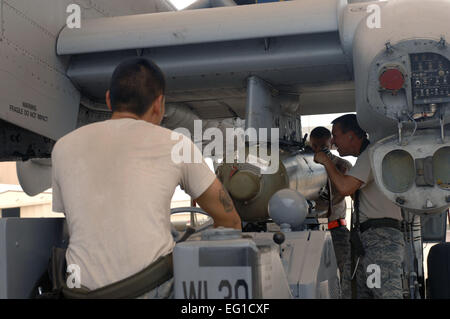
{"points": [[35, 92], [207, 60], [201, 26]]}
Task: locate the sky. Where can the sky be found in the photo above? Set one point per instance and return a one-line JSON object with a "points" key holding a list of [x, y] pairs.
{"points": [[181, 4], [319, 120]]}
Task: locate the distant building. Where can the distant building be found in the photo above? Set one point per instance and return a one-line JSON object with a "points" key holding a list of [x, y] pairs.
{"points": [[15, 203]]}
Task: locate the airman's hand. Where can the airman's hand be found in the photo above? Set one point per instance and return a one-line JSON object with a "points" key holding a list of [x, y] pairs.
{"points": [[321, 158]]}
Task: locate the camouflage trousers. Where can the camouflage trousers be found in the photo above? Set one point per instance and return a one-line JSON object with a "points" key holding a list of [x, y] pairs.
{"points": [[341, 245], [379, 272]]}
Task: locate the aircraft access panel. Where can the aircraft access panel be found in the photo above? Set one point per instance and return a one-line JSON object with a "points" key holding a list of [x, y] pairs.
{"points": [[430, 78]]}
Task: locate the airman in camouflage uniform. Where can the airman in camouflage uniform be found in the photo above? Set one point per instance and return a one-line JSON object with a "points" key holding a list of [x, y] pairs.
{"points": [[383, 247], [379, 272], [320, 139]]}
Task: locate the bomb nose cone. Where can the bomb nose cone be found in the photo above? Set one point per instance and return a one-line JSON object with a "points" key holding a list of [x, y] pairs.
{"points": [[244, 185]]}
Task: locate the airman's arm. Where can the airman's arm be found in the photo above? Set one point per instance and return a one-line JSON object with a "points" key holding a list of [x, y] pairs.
{"points": [[218, 204], [345, 184]]}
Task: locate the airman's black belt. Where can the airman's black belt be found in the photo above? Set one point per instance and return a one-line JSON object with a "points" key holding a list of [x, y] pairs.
{"points": [[380, 222]]}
